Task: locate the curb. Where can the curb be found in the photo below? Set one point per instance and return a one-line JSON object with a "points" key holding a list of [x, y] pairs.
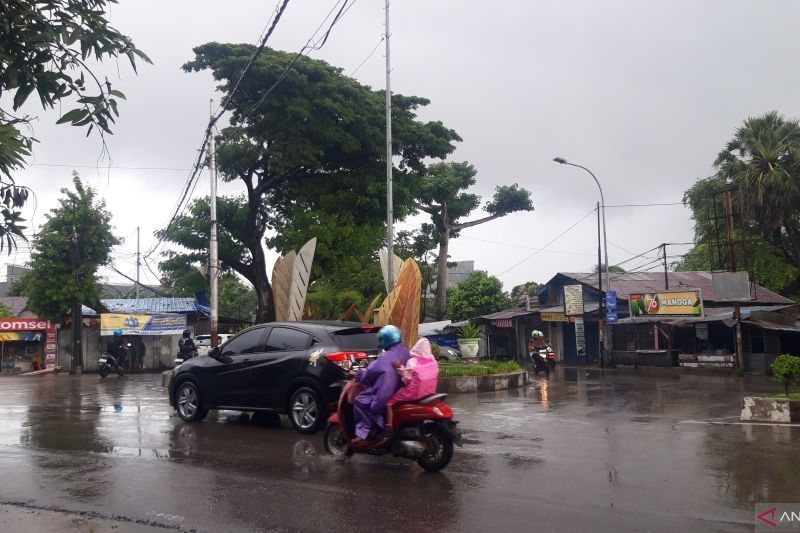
{"points": [[491, 383]]}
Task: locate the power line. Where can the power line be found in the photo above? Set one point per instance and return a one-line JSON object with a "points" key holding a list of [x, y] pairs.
{"points": [[644, 205], [156, 291], [383, 37], [526, 247], [584, 217], [67, 165]]}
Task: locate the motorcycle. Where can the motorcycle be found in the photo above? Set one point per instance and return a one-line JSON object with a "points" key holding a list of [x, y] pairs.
{"points": [[538, 360], [551, 358], [108, 363], [425, 432], [180, 358]]}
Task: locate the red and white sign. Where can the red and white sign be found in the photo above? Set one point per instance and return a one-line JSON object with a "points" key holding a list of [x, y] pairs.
{"points": [[35, 324]]}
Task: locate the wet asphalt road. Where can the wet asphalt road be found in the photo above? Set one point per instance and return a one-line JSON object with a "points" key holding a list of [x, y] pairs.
{"points": [[576, 451]]}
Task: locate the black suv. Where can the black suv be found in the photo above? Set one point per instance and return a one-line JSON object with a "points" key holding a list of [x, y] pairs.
{"points": [[296, 368]]}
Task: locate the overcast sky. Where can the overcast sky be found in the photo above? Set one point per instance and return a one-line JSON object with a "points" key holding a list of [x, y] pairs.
{"points": [[643, 93]]}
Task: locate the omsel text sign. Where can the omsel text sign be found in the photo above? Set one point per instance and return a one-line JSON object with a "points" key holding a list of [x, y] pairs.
{"points": [[667, 303]]}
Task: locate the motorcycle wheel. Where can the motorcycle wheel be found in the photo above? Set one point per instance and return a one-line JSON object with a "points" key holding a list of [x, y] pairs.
{"points": [[440, 448], [120, 371], [336, 441], [103, 371]]}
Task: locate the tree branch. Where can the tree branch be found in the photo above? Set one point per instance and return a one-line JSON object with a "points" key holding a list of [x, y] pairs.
{"points": [[456, 227]]}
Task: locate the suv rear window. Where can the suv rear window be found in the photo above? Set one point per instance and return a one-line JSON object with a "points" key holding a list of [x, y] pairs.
{"points": [[356, 339]]}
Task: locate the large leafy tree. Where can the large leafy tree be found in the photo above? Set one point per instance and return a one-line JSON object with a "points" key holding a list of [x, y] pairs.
{"points": [[479, 294], [47, 46], [760, 166], [80, 225], [518, 291], [307, 144], [442, 195]]}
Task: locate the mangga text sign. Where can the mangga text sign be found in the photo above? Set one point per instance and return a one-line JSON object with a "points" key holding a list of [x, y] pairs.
{"points": [[667, 303]]}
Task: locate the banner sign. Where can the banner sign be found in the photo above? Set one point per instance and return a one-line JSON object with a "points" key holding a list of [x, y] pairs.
{"points": [[611, 307], [580, 337], [667, 303], [142, 324], [554, 317], [573, 300]]}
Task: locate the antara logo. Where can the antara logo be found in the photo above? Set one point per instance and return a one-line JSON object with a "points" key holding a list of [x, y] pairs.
{"points": [[774, 518], [768, 517]]}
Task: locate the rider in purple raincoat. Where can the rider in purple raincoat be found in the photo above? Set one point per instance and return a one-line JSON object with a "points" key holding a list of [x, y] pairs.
{"points": [[381, 381]]}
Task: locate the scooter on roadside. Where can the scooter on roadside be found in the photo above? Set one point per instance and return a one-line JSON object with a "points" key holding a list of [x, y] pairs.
{"points": [[425, 432], [551, 358], [109, 363]]}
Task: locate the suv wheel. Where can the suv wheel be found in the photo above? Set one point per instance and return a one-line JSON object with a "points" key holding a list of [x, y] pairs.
{"points": [[188, 402], [306, 411]]}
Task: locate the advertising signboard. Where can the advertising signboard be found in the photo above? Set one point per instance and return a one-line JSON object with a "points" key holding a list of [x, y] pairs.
{"points": [[554, 317], [580, 337], [573, 300], [142, 324], [667, 303], [611, 307]]}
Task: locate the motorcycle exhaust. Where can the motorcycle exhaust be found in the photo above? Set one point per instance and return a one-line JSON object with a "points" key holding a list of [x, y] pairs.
{"points": [[412, 449]]}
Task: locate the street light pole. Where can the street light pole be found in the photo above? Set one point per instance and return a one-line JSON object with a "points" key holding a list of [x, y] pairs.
{"points": [[562, 161]]}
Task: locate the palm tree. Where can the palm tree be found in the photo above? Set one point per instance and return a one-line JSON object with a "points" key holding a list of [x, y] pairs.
{"points": [[763, 159]]}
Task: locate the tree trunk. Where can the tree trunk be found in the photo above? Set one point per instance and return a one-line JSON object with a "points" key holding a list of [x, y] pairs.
{"points": [[265, 311], [441, 274]]}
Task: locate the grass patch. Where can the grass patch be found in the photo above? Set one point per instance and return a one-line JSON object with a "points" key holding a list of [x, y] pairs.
{"points": [[792, 396], [488, 367]]}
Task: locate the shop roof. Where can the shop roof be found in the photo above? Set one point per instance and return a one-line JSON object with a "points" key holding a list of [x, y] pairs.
{"points": [[150, 305], [626, 283], [712, 314], [509, 313], [777, 326]]}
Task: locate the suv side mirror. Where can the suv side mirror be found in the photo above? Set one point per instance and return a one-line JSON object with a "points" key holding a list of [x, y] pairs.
{"points": [[214, 352]]}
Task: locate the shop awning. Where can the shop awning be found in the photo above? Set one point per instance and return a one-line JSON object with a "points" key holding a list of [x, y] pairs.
{"points": [[775, 326]]}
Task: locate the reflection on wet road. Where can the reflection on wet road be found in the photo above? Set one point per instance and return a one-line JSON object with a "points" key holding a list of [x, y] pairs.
{"points": [[576, 451]]}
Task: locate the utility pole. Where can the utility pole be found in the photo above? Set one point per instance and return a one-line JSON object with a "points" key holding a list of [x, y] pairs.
{"points": [[213, 268], [138, 262], [600, 289], [75, 319], [731, 249], [389, 199], [666, 277]]}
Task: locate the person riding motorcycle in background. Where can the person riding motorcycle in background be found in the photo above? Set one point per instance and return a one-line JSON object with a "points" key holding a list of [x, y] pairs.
{"points": [[186, 346], [381, 381], [117, 348]]}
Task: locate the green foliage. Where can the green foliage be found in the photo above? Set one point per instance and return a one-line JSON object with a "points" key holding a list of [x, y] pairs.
{"points": [[484, 368], [332, 302], [761, 168], [6, 312], [436, 350], [611, 269], [52, 283], [441, 193], [518, 291], [786, 369], [307, 155], [469, 331], [236, 299], [479, 294], [46, 47]]}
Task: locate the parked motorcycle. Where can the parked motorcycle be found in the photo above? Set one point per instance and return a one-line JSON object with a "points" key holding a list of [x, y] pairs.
{"points": [[109, 363], [425, 432]]}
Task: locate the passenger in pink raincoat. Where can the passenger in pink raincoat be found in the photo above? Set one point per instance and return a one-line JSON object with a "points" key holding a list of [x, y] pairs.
{"points": [[419, 377]]}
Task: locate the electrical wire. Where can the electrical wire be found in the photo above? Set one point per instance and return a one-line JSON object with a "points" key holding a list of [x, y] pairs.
{"points": [[644, 205], [526, 247], [584, 217], [67, 165], [383, 38]]}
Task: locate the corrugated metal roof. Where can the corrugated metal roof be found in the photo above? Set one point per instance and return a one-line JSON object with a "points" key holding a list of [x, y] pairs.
{"points": [[508, 313], [626, 283], [150, 305]]}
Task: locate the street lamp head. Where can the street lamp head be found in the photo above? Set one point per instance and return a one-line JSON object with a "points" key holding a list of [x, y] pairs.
{"points": [[560, 160]]}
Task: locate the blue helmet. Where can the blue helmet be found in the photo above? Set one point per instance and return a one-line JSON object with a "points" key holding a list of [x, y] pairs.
{"points": [[388, 336], [117, 332]]}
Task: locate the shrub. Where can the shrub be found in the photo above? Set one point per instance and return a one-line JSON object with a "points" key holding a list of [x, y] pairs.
{"points": [[469, 331], [786, 369], [436, 350], [484, 368]]}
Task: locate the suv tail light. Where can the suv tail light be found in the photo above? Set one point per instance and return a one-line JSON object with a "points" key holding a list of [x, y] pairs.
{"points": [[346, 360]]}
